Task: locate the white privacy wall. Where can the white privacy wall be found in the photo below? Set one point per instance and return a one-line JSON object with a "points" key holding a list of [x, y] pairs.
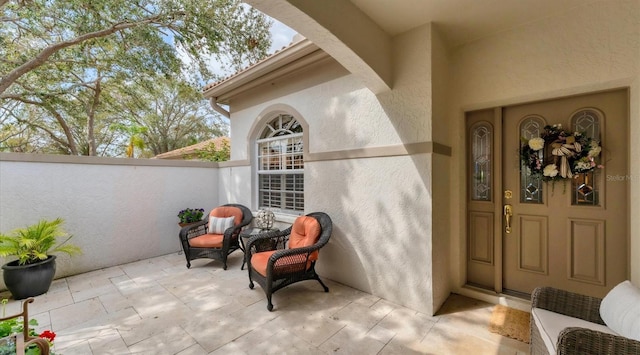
{"points": [[593, 47], [381, 206], [116, 213]]}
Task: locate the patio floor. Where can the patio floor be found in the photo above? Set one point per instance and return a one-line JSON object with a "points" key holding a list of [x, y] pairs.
{"points": [[158, 306]]}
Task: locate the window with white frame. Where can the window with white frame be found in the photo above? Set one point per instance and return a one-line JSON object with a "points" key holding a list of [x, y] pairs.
{"points": [[281, 166]]}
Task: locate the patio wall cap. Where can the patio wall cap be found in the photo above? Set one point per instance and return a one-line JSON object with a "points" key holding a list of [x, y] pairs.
{"points": [[73, 159]]}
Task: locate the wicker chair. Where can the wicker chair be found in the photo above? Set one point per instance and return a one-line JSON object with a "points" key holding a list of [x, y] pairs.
{"points": [[198, 243], [576, 340], [25, 340], [281, 258]]}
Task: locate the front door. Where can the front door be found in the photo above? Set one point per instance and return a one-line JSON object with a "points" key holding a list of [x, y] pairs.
{"points": [[527, 228]]}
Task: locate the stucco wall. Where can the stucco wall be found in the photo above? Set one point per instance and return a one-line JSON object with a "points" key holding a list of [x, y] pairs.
{"points": [[442, 171], [595, 47], [116, 213], [380, 206], [234, 185]]}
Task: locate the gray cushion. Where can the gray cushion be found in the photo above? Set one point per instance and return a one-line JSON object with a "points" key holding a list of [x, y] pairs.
{"points": [[217, 225]]}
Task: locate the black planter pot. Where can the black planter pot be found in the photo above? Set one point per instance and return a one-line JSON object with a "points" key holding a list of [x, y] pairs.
{"points": [[29, 280]]}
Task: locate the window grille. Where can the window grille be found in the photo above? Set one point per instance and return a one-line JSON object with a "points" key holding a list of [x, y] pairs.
{"points": [[281, 166]]}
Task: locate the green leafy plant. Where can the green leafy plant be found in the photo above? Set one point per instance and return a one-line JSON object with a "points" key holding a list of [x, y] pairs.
{"points": [[213, 153], [36, 242], [16, 326], [190, 215]]}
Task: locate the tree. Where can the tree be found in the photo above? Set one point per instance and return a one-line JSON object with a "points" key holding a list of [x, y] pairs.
{"points": [[213, 153], [73, 64], [39, 32], [172, 115]]}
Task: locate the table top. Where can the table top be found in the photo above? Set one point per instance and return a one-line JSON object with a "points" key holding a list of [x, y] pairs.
{"points": [[249, 232]]}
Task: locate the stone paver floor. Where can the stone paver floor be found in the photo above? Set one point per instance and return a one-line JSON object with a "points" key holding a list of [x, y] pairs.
{"points": [[158, 306]]}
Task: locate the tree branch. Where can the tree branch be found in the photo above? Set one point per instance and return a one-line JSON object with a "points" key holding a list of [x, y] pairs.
{"points": [[67, 131], [48, 51]]}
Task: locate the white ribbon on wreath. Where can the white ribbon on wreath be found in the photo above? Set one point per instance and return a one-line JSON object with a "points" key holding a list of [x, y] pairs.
{"points": [[563, 152]]}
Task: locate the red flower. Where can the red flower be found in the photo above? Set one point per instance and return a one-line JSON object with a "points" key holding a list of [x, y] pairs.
{"points": [[49, 335]]}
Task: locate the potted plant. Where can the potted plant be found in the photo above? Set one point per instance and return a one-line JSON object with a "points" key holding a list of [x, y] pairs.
{"points": [[190, 215], [33, 271]]}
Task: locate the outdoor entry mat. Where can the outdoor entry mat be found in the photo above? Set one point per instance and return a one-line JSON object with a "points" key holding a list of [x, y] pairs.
{"points": [[510, 322]]}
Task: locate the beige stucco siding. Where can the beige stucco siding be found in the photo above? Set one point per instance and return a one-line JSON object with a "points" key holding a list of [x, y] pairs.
{"points": [[381, 205], [595, 47]]}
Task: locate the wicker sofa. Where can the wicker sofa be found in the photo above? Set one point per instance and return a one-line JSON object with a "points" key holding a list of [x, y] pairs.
{"points": [[563, 322]]}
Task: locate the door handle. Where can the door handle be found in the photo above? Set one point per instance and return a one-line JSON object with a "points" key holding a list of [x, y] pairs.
{"points": [[508, 213]]}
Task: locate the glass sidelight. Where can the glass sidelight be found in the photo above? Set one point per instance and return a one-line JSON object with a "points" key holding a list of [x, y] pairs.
{"points": [[481, 160], [531, 187]]}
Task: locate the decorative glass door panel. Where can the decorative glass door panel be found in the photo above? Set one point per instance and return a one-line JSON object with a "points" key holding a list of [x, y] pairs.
{"points": [[560, 222], [563, 234]]}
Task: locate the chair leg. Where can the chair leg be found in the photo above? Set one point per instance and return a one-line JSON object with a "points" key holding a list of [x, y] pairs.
{"points": [[188, 265], [326, 289], [269, 304]]}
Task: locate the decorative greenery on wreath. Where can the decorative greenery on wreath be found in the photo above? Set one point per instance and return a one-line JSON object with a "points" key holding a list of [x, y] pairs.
{"points": [[571, 153]]}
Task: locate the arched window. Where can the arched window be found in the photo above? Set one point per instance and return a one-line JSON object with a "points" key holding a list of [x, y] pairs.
{"points": [[281, 166]]}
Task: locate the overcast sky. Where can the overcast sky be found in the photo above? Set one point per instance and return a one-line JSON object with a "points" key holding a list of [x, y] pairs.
{"points": [[281, 36]]}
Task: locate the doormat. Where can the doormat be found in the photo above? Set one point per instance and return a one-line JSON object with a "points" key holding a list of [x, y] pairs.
{"points": [[510, 322]]}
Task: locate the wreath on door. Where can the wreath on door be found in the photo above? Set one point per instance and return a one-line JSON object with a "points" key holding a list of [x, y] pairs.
{"points": [[559, 154]]}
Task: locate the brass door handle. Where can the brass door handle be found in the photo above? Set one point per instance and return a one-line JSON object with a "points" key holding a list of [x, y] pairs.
{"points": [[508, 213]]}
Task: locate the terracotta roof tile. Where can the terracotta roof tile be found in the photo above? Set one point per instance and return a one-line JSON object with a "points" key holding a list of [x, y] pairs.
{"points": [[185, 152], [296, 39]]}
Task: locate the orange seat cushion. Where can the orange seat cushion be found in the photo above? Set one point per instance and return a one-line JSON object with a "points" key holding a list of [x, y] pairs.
{"points": [[228, 211], [207, 241]]}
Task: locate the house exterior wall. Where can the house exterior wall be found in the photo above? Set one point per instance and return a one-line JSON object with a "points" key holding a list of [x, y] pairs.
{"points": [[118, 210], [595, 47], [441, 213], [358, 171]]}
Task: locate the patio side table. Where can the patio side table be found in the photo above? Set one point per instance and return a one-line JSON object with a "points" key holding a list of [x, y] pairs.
{"points": [[246, 234]]}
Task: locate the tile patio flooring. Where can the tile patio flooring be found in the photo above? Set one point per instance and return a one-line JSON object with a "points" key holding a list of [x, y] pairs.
{"points": [[158, 306]]}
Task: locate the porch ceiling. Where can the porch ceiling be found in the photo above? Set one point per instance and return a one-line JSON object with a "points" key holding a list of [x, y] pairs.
{"points": [[359, 33], [461, 21]]}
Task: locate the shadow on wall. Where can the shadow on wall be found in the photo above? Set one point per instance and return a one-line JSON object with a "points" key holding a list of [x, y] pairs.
{"points": [[378, 206]]}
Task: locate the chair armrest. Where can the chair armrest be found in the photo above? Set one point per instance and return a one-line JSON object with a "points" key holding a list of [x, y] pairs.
{"points": [[193, 230], [231, 235], [295, 260], [273, 240], [568, 303], [586, 341], [42, 344]]}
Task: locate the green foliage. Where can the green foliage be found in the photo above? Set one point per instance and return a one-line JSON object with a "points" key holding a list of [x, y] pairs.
{"points": [[77, 68], [16, 326], [190, 215], [211, 153], [36, 242], [173, 115]]}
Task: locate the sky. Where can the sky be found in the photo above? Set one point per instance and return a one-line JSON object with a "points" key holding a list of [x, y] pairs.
{"points": [[281, 35]]}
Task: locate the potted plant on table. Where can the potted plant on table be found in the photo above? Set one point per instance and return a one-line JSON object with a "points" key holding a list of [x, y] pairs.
{"points": [[33, 271], [190, 215]]}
